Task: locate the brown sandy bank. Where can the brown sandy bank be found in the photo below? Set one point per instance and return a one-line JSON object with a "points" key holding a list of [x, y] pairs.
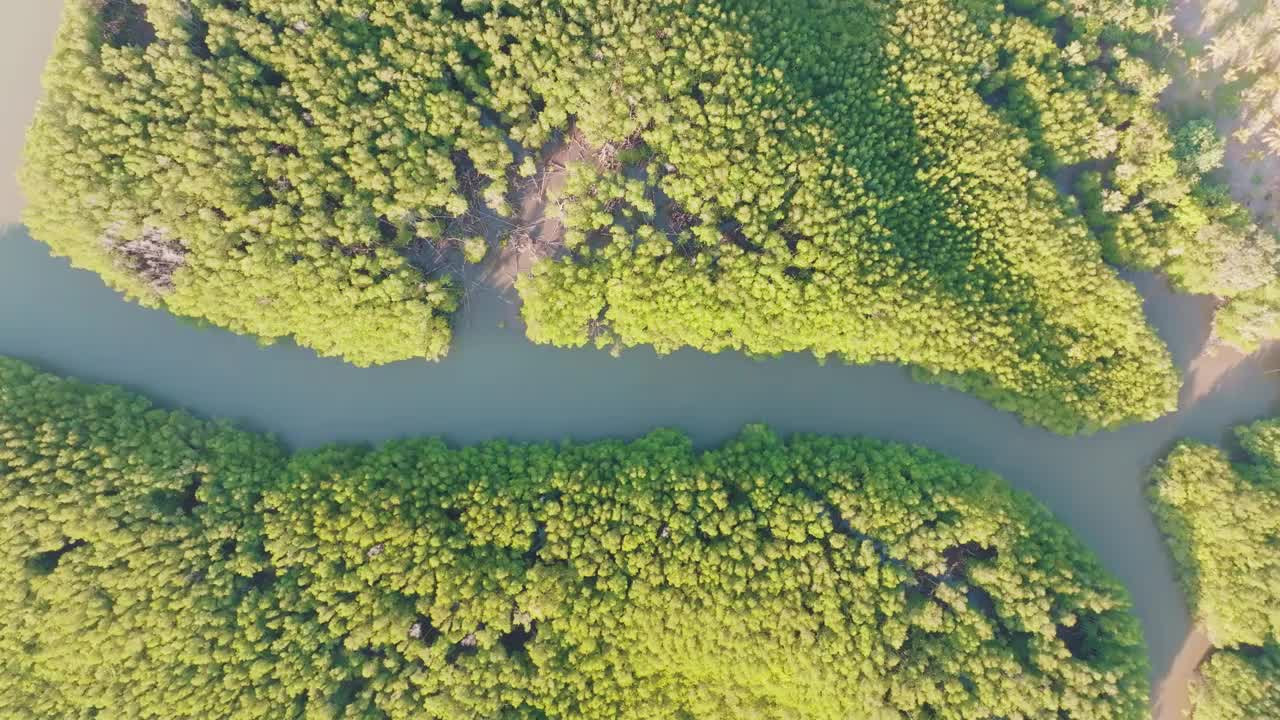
{"points": [[1170, 697]]}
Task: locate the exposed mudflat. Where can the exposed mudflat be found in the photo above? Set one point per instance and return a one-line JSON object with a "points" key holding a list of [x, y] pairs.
{"points": [[1171, 696]]}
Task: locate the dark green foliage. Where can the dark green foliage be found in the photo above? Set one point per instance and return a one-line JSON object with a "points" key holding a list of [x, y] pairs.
{"points": [[159, 566], [1198, 147], [861, 180]]}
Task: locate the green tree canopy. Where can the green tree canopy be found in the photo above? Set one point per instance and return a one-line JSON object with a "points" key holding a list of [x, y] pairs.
{"points": [[1238, 686], [867, 181], [1222, 519], [155, 565], [1197, 145], [1223, 523]]}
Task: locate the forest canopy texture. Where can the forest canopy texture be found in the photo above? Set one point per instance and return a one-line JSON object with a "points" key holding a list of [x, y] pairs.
{"points": [[866, 181], [156, 565], [1223, 524]]}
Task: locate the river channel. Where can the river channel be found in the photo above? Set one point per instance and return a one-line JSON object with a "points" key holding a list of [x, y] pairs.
{"points": [[495, 384]]}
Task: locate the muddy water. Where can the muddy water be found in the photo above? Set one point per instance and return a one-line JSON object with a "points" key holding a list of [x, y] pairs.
{"points": [[496, 384], [26, 39]]}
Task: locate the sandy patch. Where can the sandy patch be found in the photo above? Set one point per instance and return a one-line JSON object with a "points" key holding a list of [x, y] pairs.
{"points": [[1210, 370], [1207, 372], [1170, 697], [515, 241]]}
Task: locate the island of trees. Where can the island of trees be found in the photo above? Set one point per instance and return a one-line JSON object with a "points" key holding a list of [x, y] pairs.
{"points": [[930, 182], [1222, 519], [157, 565]]}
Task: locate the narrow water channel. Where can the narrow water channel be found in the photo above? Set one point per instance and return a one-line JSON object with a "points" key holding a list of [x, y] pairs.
{"points": [[495, 384]]}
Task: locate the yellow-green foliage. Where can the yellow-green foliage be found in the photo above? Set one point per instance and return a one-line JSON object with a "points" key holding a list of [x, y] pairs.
{"points": [[159, 566], [852, 194], [130, 536], [1222, 520], [1238, 686], [1152, 204], [854, 185], [1223, 523], [1250, 319], [282, 158]]}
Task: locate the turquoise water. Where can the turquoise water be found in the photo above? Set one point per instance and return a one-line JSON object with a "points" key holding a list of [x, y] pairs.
{"points": [[496, 384]]}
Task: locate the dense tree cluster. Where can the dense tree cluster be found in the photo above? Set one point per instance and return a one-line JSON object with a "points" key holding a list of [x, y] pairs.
{"points": [[1238, 686], [881, 209], [1239, 43], [865, 181], [155, 565], [1223, 521], [1149, 197], [1251, 318], [1223, 524], [1189, 227], [127, 548], [279, 157]]}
